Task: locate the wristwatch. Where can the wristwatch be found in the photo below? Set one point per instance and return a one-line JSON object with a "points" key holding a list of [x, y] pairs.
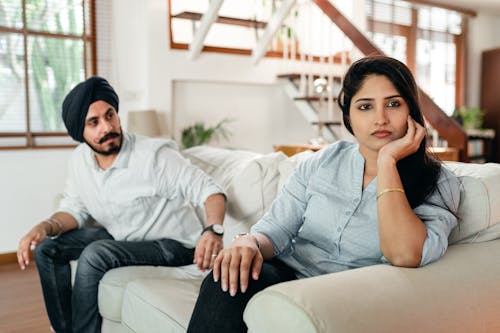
{"points": [[217, 229]]}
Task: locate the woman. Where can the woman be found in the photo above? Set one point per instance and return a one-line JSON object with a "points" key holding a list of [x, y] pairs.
{"points": [[382, 200]]}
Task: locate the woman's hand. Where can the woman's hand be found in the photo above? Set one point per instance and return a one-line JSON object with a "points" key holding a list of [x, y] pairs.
{"points": [[234, 264], [405, 146]]}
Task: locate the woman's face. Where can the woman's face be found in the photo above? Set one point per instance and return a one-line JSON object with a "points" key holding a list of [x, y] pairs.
{"points": [[378, 114]]}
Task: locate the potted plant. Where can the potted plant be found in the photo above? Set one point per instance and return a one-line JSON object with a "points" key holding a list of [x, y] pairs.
{"points": [[470, 118], [198, 134]]}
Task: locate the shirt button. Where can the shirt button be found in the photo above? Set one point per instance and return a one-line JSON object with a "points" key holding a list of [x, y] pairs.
{"points": [[339, 228], [347, 213]]}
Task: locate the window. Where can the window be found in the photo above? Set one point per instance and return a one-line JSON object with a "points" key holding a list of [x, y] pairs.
{"points": [[429, 40], [46, 47]]}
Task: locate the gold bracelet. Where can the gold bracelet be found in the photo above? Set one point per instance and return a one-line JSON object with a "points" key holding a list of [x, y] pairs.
{"points": [[248, 234], [390, 189]]}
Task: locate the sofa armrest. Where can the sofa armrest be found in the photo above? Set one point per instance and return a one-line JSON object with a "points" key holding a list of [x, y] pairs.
{"points": [[459, 293]]}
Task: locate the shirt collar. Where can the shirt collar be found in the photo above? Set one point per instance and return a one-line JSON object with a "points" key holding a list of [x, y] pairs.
{"points": [[358, 174], [124, 155]]}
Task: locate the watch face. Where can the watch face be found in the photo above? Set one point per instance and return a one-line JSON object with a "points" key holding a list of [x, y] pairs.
{"points": [[218, 229]]}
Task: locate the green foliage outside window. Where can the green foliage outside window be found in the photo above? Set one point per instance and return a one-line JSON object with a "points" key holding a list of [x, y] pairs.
{"points": [[55, 63]]}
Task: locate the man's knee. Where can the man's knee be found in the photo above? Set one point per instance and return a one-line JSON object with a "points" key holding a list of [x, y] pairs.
{"points": [[97, 255], [47, 249]]}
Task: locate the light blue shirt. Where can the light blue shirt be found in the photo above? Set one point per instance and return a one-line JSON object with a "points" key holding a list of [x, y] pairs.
{"points": [[150, 192], [323, 221]]}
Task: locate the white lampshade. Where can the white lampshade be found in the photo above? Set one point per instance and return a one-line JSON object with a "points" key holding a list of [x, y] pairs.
{"points": [[144, 123]]}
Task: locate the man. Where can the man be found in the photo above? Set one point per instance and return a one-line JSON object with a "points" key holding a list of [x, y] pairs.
{"points": [[141, 190]]}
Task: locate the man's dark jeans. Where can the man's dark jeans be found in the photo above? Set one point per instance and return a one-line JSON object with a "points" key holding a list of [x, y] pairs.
{"points": [[75, 309]]}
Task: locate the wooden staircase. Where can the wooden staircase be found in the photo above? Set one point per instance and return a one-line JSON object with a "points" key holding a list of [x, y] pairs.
{"points": [[448, 128], [320, 110], [310, 104]]}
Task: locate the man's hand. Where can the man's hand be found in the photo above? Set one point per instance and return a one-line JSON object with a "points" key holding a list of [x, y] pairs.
{"points": [[207, 249], [32, 238], [405, 146], [235, 264]]}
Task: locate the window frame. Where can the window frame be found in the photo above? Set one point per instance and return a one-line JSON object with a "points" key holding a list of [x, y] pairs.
{"points": [[90, 68], [411, 33]]}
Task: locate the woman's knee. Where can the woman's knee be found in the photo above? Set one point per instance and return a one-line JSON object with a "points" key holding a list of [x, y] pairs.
{"points": [[210, 289]]}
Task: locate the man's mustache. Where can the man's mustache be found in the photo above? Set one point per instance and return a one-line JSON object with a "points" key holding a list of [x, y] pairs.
{"points": [[108, 136]]}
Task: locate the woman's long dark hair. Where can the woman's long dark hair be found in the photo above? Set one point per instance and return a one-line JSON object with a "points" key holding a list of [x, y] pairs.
{"points": [[419, 172]]}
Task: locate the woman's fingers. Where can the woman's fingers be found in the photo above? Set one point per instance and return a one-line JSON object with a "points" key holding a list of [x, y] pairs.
{"points": [[233, 267], [246, 264], [224, 270], [410, 133], [234, 273]]}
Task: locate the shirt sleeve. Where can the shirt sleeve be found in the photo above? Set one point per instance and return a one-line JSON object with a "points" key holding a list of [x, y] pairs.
{"points": [[285, 217], [175, 175], [439, 213], [71, 202]]}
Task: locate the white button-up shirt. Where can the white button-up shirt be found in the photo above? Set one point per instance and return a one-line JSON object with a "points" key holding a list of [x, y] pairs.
{"points": [[148, 193]]}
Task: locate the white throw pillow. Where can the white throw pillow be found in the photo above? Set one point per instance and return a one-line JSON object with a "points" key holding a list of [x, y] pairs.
{"points": [[253, 190], [250, 181], [479, 209], [286, 167]]}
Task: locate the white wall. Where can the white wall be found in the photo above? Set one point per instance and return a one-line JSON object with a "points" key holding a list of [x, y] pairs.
{"points": [[259, 117], [483, 35], [29, 182]]}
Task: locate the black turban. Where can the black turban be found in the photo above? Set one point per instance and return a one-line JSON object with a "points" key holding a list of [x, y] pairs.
{"points": [[76, 104]]}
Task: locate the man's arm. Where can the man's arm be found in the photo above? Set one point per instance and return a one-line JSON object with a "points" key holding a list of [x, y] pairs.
{"points": [[57, 224], [210, 244]]}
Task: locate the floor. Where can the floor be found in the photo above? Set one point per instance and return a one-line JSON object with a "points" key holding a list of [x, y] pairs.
{"points": [[21, 301]]}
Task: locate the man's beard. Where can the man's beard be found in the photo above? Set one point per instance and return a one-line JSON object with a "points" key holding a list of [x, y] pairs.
{"points": [[113, 149]]}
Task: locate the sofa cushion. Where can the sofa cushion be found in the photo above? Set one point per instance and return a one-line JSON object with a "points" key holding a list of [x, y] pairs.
{"points": [[250, 181], [458, 293], [113, 284], [287, 166], [152, 305], [479, 209]]}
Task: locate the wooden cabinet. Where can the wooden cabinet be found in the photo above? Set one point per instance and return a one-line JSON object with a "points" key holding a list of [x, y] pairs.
{"points": [[490, 97], [480, 145]]}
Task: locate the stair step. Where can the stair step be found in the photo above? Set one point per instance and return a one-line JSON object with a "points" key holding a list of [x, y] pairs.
{"points": [[313, 98], [223, 19], [327, 123], [296, 76]]}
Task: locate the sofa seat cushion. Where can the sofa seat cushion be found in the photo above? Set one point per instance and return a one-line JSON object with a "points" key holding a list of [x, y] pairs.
{"points": [[115, 281], [156, 305]]}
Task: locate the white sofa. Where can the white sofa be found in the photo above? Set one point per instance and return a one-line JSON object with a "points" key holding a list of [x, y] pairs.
{"points": [[458, 293]]}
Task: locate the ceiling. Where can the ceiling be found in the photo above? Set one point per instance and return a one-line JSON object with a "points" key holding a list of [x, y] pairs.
{"points": [[488, 6]]}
